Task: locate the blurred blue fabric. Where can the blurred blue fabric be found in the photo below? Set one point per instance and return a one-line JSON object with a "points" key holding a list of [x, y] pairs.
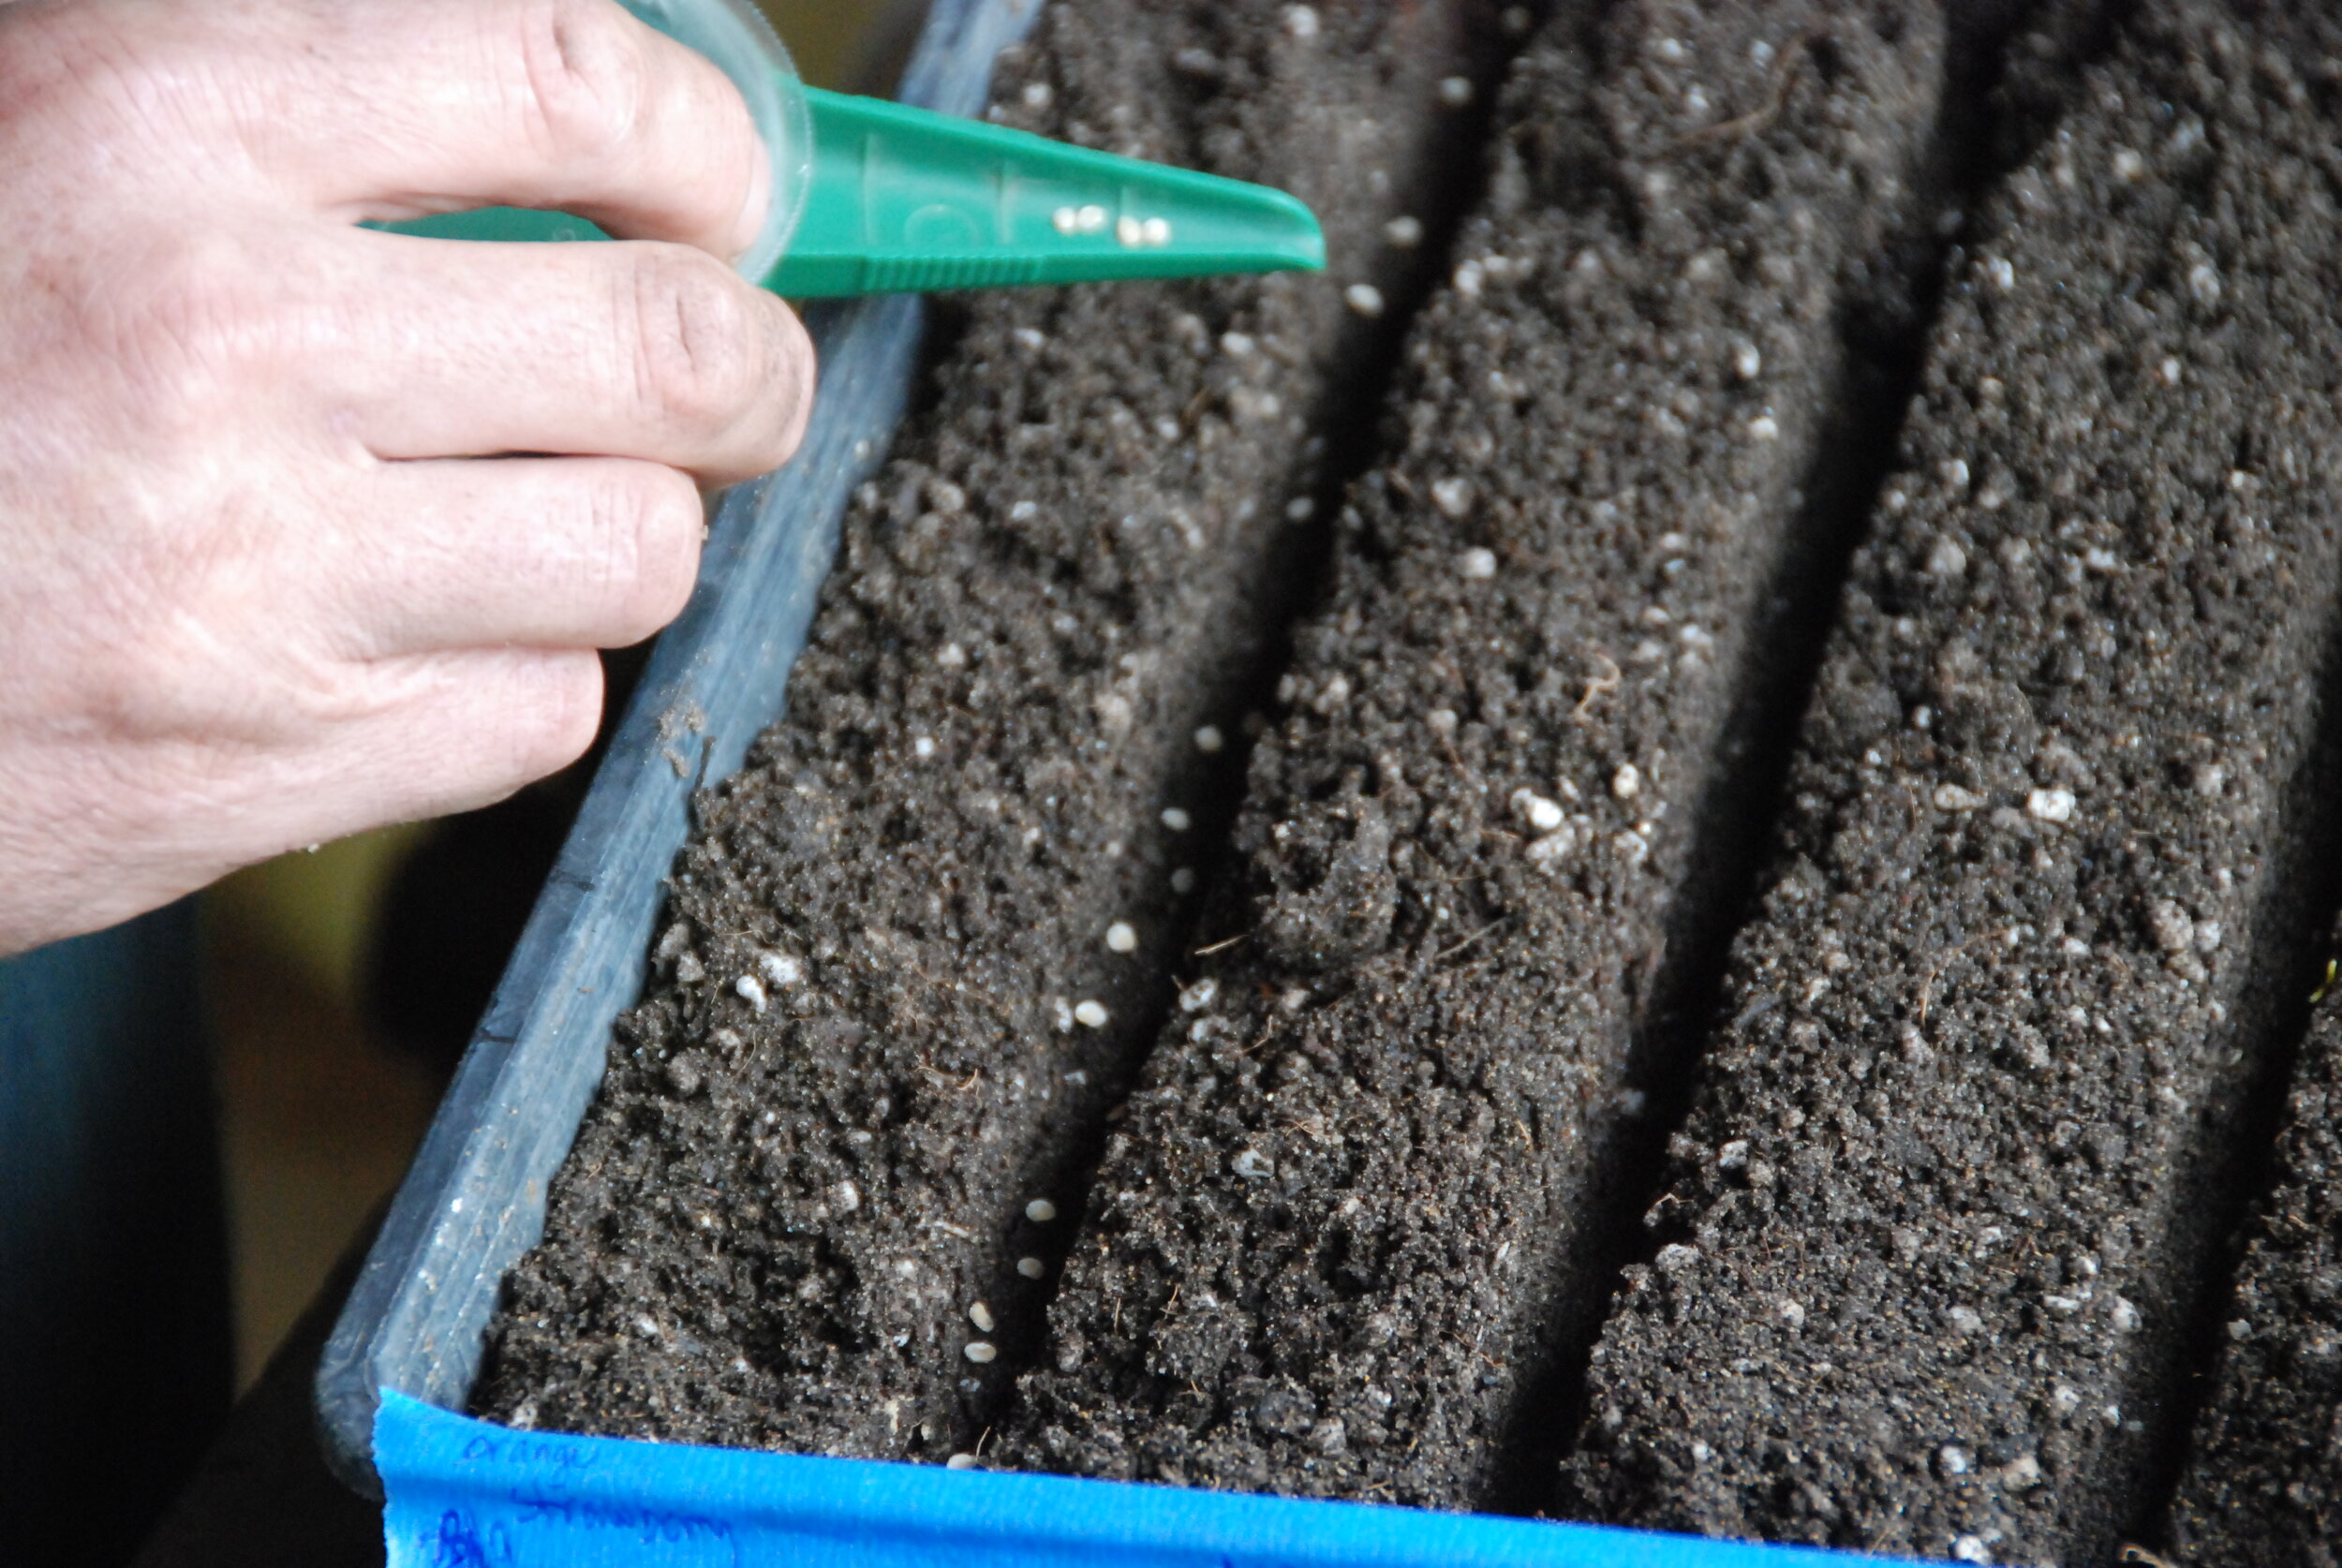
{"points": [[115, 1357]]}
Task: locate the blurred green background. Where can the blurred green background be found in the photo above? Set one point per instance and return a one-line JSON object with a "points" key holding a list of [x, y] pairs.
{"points": [[342, 982]]}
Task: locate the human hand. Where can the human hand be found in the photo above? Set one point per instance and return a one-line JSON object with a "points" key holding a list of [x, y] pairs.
{"points": [[269, 569]]}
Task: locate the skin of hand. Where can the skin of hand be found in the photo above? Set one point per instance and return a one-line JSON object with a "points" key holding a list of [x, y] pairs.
{"points": [[306, 528]]}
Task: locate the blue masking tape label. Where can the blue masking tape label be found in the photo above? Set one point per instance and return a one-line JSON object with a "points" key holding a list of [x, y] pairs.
{"points": [[466, 1494]]}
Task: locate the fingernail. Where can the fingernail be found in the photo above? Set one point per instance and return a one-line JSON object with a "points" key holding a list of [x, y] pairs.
{"points": [[759, 203]]}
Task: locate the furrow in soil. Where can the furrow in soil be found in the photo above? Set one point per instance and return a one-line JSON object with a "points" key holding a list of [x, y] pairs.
{"points": [[915, 947], [1325, 1246], [1954, 1183], [2262, 1481]]}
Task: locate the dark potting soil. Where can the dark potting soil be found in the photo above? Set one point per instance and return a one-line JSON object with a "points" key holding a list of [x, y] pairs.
{"points": [[1950, 1191], [915, 946], [1326, 1247], [2263, 1480]]}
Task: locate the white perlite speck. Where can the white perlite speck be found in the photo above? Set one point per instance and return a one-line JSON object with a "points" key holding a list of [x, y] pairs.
{"points": [[780, 967], [1198, 997], [1252, 1165], [1748, 363], [963, 1461], [1301, 21], [1122, 937], [1091, 1014], [1964, 1321], [1477, 565], [1675, 1255], [1626, 783], [1041, 1211], [2124, 1316], [1454, 91], [1951, 797], [1183, 880], [2051, 806], [1764, 427], [1453, 497], [751, 991], [1537, 811]]}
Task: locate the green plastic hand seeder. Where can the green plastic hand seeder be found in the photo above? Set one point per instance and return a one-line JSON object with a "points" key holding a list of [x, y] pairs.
{"points": [[874, 197]]}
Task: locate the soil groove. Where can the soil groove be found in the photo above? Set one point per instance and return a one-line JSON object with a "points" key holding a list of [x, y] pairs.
{"points": [[1956, 1177], [1324, 1243]]}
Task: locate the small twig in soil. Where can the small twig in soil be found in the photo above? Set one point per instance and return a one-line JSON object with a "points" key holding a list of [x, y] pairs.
{"points": [[1608, 681], [1442, 957], [1221, 946], [1758, 119]]}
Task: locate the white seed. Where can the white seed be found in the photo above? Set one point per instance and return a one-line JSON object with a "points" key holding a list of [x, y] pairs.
{"points": [[1122, 937], [1183, 880], [2203, 282], [751, 991], [1091, 1014], [1672, 50], [1747, 362], [2003, 273], [963, 1461], [2128, 166], [1626, 783], [1365, 299], [1515, 21], [980, 1314], [1454, 92], [1236, 345], [1090, 218], [2051, 806], [2172, 371], [1453, 497], [1198, 996], [1301, 509], [1037, 95], [1764, 427], [923, 746], [1031, 1267], [1947, 561], [1129, 232], [1176, 820], [1041, 1211], [1065, 220], [1405, 233], [1208, 740], [1971, 1548], [1951, 797], [1301, 21], [982, 1353], [1477, 564], [1156, 231]]}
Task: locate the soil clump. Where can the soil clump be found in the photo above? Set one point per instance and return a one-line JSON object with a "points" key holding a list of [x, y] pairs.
{"points": [[915, 946], [1325, 1246], [1941, 1218]]}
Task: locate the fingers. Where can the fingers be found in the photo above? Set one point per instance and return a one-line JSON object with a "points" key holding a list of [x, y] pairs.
{"points": [[632, 350], [537, 103], [459, 731], [529, 553], [388, 109]]}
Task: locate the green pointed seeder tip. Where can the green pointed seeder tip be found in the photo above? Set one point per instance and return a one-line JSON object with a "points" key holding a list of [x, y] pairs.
{"points": [[900, 200], [904, 200]]}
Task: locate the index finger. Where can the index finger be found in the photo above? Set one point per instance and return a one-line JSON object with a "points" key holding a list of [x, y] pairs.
{"points": [[407, 107]]}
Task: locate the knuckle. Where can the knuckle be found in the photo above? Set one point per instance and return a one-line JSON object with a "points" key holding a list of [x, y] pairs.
{"points": [[581, 77], [186, 333], [700, 354]]}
